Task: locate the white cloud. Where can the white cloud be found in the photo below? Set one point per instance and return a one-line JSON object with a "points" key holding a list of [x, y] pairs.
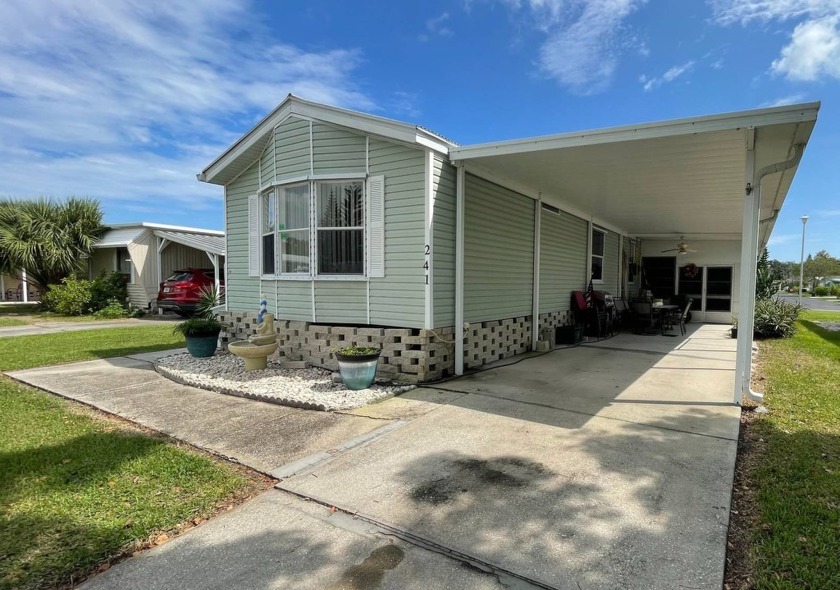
{"points": [[127, 100], [727, 12], [813, 52], [437, 27], [584, 39], [779, 239], [785, 100], [669, 76]]}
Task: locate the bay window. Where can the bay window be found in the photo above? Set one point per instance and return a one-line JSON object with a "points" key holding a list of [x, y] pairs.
{"points": [[316, 229]]}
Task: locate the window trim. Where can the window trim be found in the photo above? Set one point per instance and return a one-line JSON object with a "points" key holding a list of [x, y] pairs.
{"points": [[602, 255], [313, 181], [131, 277]]}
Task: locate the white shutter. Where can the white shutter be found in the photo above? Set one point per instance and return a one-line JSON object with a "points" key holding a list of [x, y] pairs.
{"points": [[253, 236], [376, 226]]}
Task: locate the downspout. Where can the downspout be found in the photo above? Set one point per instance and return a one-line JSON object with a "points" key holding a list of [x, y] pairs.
{"points": [[746, 354], [460, 327]]}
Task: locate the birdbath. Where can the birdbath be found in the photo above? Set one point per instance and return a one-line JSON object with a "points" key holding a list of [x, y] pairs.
{"points": [[256, 350]]}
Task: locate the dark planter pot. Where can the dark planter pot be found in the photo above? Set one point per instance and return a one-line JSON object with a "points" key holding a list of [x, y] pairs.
{"points": [[734, 332], [357, 372], [202, 345]]}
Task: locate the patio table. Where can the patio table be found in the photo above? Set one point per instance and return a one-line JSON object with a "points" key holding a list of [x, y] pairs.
{"points": [[662, 311]]}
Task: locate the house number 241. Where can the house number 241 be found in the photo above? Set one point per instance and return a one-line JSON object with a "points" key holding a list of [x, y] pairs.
{"points": [[427, 252]]}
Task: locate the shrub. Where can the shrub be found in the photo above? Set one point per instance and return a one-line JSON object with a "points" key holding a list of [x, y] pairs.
{"points": [[106, 288], [113, 311], [821, 291], [71, 297], [775, 318], [198, 327]]}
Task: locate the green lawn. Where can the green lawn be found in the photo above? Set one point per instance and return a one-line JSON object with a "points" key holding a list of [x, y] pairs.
{"points": [[796, 541], [24, 352], [6, 322], [78, 490]]}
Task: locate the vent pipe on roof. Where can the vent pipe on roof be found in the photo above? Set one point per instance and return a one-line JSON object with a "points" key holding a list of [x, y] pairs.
{"points": [[746, 359]]}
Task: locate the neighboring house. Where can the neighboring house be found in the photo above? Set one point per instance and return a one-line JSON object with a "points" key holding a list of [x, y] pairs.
{"points": [[147, 253], [361, 229], [15, 287], [828, 282]]}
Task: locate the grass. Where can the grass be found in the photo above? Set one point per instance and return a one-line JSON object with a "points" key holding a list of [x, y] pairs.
{"points": [[796, 475], [78, 491], [24, 352], [8, 322]]}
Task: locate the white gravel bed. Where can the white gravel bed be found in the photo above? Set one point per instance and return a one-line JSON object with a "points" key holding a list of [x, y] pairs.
{"points": [[312, 388]]}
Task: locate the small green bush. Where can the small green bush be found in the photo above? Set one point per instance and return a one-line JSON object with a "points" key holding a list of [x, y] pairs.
{"points": [[774, 318], [106, 288], [822, 291], [71, 297], [113, 311], [198, 327]]}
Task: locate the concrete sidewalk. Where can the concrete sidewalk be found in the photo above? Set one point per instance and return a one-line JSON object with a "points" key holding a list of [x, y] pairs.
{"points": [[55, 327]]}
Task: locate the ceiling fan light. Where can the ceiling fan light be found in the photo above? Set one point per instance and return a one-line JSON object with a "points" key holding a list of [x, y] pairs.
{"points": [[682, 252]]}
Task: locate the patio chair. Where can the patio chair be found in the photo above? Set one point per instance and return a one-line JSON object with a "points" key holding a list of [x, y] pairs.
{"points": [[642, 317], [623, 315], [684, 316]]}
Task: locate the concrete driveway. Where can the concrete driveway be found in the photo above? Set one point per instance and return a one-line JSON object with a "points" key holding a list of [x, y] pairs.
{"points": [[607, 465], [603, 466]]}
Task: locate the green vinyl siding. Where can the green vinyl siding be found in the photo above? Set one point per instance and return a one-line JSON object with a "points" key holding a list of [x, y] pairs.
{"points": [[341, 302], [267, 170], [563, 239], [292, 149], [611, 245], [337, 150], [294, 300], [498, 252], [241, 290], [443, 242], [398, 299]]}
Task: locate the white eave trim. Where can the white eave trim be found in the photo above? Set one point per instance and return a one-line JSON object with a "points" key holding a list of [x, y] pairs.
{"points": [[725, 122], [361, 122]]}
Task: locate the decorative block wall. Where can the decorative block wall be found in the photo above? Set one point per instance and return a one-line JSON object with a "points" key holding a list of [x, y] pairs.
{"points": [[408, 354]]}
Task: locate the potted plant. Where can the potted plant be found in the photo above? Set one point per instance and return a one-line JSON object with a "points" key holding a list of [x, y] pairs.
{"points": [[201, 334], [357, 365]]}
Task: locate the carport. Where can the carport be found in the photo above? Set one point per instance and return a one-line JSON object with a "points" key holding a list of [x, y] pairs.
{"points": [[212, 245], [716, 179]]}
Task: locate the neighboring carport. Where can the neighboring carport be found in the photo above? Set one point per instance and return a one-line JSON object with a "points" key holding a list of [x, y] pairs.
{"points": [[211, 244], [716, 178]]}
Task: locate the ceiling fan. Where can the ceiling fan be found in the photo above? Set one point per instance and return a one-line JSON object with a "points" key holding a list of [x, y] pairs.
{"points": [[682, 247]]}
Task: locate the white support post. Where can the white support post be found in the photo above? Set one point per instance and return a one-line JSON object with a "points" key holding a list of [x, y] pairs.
{"points": [[460, 193], [746, 295], [428, 252], [535, 303], [587, 265], [24, 286], [214, 260], [622, 277]]}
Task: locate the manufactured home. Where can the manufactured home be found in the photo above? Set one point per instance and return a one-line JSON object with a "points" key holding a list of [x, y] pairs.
{"points": [[147, 253], [361, 229]]}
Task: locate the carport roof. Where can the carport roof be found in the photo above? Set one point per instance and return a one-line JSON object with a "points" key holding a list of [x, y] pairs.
{"points": [[208, 243], [665, 179]]}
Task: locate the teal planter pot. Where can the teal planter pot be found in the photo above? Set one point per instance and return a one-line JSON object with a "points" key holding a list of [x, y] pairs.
{"points": [[357, 372], [202, 346]]}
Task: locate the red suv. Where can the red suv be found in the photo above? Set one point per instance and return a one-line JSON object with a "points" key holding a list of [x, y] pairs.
{"points": [[182, 291]]}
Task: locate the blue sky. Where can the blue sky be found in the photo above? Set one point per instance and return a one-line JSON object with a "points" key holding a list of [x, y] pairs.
{"points": [[126, 101]]}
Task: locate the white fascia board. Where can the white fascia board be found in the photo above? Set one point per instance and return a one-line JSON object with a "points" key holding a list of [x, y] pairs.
{"points": [[247, 141], [724, 122], [532, 193]]}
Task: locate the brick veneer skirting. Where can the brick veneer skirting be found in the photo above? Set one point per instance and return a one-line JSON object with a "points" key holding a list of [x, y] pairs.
{"points": [[408, 354]]}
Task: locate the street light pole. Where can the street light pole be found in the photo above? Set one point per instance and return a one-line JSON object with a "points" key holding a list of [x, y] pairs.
{"points": [[804, 219]]}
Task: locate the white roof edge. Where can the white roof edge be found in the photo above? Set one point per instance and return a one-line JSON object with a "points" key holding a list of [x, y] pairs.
{"points": [[293, 105], [165, 227], [721, 122]]}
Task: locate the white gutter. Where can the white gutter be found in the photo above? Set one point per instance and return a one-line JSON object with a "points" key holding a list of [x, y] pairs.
{"points": [[749, 257]]}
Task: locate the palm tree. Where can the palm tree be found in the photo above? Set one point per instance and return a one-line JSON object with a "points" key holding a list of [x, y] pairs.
{"points": [[50, 239]]}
